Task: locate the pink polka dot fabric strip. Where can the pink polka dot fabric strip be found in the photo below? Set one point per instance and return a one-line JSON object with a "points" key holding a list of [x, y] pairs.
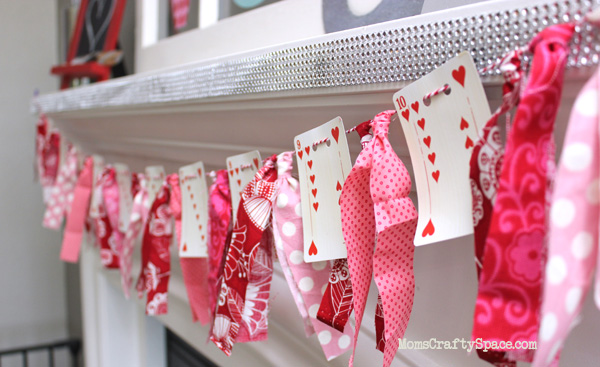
{"points": [[573, 240], [375, 204], [62, 192], [306, 281]]}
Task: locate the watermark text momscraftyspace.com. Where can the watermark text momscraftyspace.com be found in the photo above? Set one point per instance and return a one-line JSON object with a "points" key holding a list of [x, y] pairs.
{"points": [[467, 345]]}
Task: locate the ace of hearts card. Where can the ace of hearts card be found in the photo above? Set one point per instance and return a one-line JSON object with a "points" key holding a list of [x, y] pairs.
{"points": [[322, 170], [440, 133]]}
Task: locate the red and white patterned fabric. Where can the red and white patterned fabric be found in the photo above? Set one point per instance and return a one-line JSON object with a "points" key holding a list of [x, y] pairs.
{"points": [[156, 254], [243, 302], [194, 269], [180, 10], [74, 228], [375, 205], [305, 280], [508, 301], [62, 192], [486, 162], [219, 211], [47, 148]]}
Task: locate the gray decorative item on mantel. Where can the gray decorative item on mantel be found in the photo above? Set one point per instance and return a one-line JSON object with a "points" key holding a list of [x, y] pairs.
{"points": [[338, 16]]}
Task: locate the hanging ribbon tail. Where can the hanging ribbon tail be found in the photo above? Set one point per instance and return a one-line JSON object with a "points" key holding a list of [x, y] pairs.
{"points": [[515, 245], [219, 211], [304, 279], [572, 243], [111, 243], [76, 219]]}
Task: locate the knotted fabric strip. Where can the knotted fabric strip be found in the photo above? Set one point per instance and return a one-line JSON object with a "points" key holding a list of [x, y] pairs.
{"points": [[62, 192], [156, 254], [79, 210], [194, 269], [243, 303], [337, 304], [47, 149], [573, 240], [375, 202], [486, 162], [305, 280], [508, 301], [219, 211], [137, 221]]}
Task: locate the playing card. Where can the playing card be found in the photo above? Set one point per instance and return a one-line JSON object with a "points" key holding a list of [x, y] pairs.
{"points": [[96, 199], [125, 198], [194, 211], [241, 169], [322, 171], [440, 134], [155, 175]]}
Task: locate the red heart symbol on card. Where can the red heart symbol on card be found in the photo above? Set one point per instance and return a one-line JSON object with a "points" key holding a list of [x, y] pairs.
{"points": [[421, 124], [415, 106], [312, 179], [307, 150], [459, 75], [202, 237], [429, 229], [256, 162], [199, 172], [239, 182], [231, 172], [432, 158], [314, 192], [192, 196], [312, 250], [463, 124], [189, 187], [435, 175], [406, 114], [335, 132], [427, 141], [237, 171], [229, 164], [200, 227], [338, 187], [468, 143], [316, 206], [300, 154], [194, 206], [309, 164], [184, 247], [197, 216]]}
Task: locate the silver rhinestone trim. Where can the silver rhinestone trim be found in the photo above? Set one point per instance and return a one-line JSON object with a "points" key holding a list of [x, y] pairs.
{"points": [[392, 55]]}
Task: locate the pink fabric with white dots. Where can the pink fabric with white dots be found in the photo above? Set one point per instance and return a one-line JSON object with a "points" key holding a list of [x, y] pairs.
{"points": [[305, 280], [573, 241], [375, 203], [62, 193]]}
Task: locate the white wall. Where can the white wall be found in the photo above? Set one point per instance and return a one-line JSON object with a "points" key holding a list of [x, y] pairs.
{"points": [[32, 279]]}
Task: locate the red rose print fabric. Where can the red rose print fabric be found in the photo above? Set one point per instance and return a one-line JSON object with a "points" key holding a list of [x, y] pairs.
{"points": [[156, 254], [242, 307], [508, 302], [47, 147]]}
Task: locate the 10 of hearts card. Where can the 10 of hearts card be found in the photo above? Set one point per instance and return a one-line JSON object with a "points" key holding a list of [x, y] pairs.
{"points": [[440, 133]]}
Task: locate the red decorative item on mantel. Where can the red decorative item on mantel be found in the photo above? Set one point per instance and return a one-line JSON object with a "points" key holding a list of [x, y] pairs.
{"points": [[96, 30]]}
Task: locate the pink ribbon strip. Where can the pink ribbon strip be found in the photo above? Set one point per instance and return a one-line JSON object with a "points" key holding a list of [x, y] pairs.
{"points": [[79, 209], [305, 280], [573, 239], [375, 204], [62, 192]]}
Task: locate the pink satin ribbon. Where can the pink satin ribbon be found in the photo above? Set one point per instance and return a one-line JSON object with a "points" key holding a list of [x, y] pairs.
{"points": [[375, 204], [111, 241], [194, 269], [62, 192], [305, 280], [79, 210], [574, 216]]}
